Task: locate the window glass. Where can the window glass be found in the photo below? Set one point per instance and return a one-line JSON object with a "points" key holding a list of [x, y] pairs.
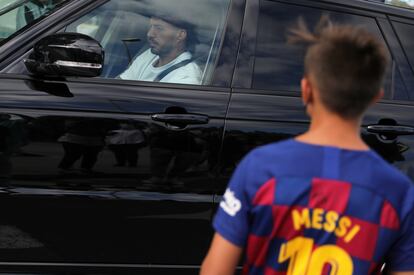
{"points": [[15, 14], [278, 65], [409, 4], [173, 41], [405, 33], [399, 91]]}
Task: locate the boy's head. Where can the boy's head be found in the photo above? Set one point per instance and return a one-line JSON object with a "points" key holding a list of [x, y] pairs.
{"points": [[346, 64]]}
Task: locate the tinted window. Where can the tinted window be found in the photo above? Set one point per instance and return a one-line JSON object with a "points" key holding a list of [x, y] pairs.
{"points": [[399, 90], [279, 66], [138, 36], [409, 4], [405, 33]]}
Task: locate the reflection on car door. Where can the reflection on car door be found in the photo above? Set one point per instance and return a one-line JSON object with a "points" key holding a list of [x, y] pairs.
{"points": [[107, 172]]}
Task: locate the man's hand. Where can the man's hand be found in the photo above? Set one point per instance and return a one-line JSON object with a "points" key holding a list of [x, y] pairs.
{"points": [[222, 258]]}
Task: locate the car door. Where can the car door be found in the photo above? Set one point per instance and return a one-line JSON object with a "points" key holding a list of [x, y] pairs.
{"points": [[109, 174], [266, 106]]}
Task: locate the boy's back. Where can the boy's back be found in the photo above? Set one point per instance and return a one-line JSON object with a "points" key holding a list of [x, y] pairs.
{"points": [[307, 207], [317, 208]]}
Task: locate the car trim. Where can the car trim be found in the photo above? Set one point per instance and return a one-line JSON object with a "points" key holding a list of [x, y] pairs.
{"points": [[77, 64]]}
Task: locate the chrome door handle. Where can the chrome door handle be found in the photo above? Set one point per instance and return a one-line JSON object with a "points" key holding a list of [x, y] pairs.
{"points": [[186, 119], [398, 130]]}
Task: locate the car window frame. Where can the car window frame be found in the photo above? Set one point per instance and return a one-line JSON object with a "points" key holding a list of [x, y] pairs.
{"points": [[236, 7], [233, 12], [244, 71]]}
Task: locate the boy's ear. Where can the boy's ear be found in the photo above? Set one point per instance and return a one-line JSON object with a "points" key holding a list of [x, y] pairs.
{"points": [[306, 90]]}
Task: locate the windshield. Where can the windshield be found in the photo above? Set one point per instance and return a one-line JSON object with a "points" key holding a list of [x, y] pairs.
{"points": [[17, 14]]}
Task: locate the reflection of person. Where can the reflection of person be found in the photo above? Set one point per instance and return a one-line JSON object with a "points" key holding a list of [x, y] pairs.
{"points": [[31, 10], [172, 153], [169, 58], [322, 202], [13, 135], [124, 143], [83, 139]]}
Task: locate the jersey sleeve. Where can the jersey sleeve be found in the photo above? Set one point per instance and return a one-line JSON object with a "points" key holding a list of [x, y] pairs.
{"points": [[231, 220], [401, 257]]}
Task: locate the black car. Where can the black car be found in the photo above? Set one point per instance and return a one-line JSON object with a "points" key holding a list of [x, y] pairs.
{"points": [[100, 174]]}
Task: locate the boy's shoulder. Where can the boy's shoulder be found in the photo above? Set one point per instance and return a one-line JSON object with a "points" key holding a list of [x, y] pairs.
{"points": [[297, 158], [286, 158], [392, 181], [291, 158]]}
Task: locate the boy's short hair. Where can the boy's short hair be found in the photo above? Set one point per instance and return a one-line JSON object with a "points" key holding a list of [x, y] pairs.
{"points": [[347, 63]]}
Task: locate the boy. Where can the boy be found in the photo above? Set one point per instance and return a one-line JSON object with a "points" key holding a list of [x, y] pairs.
{"points": [[322, 203]]}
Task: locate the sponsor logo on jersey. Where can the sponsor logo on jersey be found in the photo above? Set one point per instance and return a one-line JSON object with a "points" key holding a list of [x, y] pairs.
{"points": [[230, 204]]}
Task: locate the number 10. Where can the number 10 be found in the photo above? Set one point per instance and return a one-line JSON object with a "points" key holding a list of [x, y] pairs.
{"points": [[304, 261]]}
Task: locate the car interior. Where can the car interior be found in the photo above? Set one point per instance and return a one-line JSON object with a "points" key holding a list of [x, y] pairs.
{"points": [[121, 28]]}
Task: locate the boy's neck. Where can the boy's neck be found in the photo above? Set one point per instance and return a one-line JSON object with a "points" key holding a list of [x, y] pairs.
{"points": [[331, 130]]}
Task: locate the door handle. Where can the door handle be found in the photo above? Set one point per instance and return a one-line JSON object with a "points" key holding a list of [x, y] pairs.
{"points": [[185, 119], [398, 130]]}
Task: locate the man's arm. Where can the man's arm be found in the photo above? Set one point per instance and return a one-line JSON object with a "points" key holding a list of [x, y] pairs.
{"points": [[223, 257]]}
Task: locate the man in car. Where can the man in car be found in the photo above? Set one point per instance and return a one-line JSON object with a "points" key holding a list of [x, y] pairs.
{"points": [[169, 58], [31, 11]]}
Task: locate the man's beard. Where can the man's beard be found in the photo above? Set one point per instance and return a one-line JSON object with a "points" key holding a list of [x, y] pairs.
{"points": [[162, 51], [154, 51]]}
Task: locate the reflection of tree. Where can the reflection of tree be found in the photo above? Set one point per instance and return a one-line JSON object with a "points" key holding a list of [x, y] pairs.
{"points": [[400, 3]]}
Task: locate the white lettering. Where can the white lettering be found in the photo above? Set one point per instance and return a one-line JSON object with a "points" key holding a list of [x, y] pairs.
{"points": [[230, 204]]}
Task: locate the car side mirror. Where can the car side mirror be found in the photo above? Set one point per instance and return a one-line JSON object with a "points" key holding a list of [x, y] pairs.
{"points": [[66, 54]]}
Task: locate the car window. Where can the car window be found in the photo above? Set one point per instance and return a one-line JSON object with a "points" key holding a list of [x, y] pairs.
{"points": [[16, 15], [409, 4], [405, 34], [278, 65], [7, 3], [173, 41]]}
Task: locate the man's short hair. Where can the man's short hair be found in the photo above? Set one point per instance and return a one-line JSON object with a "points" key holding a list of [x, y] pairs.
{"points": [[190, 28], [347, 63]]}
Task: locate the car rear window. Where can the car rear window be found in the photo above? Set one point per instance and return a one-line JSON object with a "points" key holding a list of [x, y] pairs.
{"points": [[278, 65], [405, 33], [19, 14]]}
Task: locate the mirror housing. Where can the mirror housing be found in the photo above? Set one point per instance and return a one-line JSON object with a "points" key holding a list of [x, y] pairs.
{"points": [[66, 54]]}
